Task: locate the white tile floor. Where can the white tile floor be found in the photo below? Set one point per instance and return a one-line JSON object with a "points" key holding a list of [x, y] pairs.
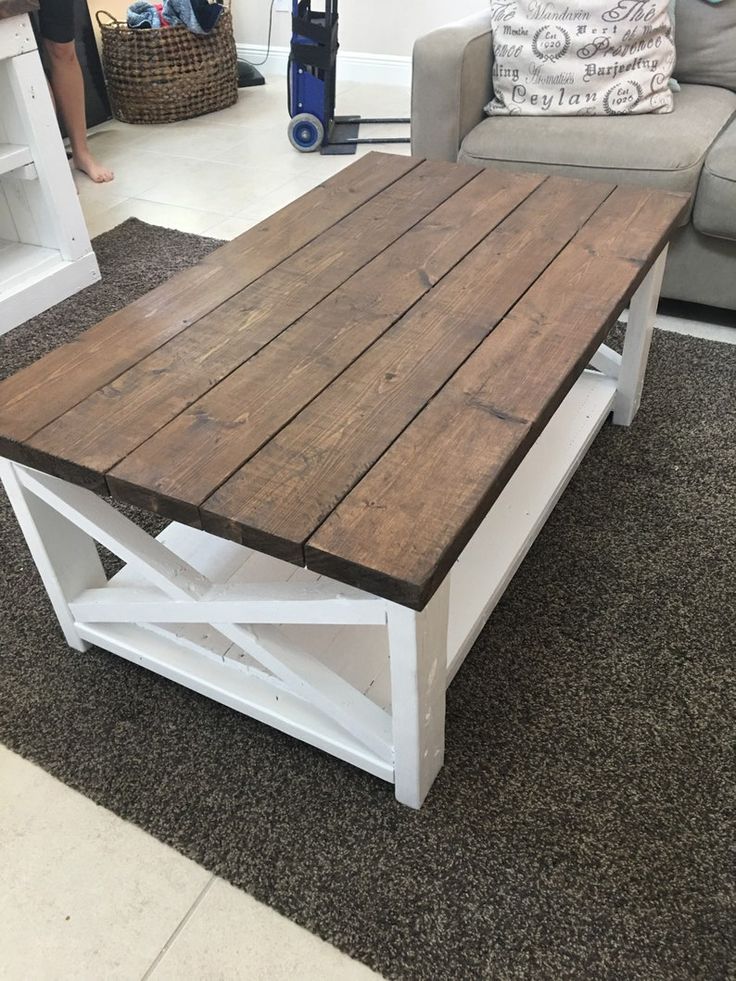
{"points": [[86, 896], [219, 174], [83, 895]]}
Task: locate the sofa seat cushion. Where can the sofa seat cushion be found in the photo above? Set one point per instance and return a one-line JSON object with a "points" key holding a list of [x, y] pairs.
{"points": [[715, 204], [665, 151]]}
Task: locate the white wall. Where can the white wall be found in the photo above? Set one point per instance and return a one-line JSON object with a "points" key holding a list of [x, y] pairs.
{"points": [[382, 27]]}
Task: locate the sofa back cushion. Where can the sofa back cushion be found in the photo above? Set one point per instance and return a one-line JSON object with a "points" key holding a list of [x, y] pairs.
{"points": [[585, 57], [705, 38]]}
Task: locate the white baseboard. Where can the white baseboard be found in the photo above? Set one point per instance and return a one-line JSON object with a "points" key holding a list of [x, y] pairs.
{"points": [[352, 66]]}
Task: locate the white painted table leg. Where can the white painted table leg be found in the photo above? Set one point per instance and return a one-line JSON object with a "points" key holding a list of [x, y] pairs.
{"points": [[65, 556], [639, 330], [418, 651]]}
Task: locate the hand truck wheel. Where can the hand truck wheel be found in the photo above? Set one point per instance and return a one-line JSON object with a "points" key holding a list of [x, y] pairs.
{"points": [[306, 132]]}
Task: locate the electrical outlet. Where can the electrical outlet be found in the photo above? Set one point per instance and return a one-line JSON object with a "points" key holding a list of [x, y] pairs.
{"points": [[282, 6]]}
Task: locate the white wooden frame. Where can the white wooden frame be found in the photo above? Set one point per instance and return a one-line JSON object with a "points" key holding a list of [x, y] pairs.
{"points": [[45, 250], [348, 672]]}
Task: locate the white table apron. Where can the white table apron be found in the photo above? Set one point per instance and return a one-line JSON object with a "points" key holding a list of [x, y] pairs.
{"points": [[350, 673]]}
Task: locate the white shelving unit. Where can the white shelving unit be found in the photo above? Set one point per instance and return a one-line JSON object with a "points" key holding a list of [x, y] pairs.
{"points": [[45, 252]]}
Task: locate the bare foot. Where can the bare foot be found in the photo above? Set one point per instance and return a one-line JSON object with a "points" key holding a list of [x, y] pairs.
{"points": [[96, 172]]}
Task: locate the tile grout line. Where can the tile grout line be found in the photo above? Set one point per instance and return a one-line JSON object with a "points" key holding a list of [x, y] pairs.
{"points": [[180, 926]]}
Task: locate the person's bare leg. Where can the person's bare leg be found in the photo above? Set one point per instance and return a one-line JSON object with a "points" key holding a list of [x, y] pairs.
{"points": [[67, 86]]}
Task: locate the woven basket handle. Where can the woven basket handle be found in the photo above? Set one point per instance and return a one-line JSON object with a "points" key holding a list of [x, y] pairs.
{"points": [[113, 22]]}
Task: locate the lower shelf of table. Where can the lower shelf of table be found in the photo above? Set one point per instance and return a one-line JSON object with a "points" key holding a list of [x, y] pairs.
{"points": [[261, 699], [196, 656]]}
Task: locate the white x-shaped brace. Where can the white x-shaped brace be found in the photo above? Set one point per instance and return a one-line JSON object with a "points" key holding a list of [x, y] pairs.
{"points": [[187, 596]]}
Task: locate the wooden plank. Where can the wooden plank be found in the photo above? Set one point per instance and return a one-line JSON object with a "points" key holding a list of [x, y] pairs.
{"points": [[639, 332], [51, 538], [8, 228], [161, 567], [89, 439], [306, 676], [13, 156], [303, 603], [418, 651], [399, 531], [16, 36], [52, 200], [275, 502], [186, 461], [493, 555], [35, 396], [254, 695], [60, 280]]}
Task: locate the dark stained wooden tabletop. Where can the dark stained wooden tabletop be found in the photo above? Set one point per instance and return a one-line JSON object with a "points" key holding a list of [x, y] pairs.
{"points": [[350, 384]]}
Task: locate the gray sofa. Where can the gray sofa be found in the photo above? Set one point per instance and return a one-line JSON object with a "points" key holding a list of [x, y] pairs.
{"points": [[692, 149]]}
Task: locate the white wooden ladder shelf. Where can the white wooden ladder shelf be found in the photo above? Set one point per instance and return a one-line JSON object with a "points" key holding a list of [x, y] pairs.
{"points": [[45, 251]]}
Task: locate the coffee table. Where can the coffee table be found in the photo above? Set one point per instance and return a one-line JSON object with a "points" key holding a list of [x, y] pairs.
{"points": [[358, 416]]}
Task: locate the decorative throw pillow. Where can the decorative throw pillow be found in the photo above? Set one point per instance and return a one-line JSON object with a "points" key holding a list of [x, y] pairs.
{"points": [[581, 57], [674, 84]]}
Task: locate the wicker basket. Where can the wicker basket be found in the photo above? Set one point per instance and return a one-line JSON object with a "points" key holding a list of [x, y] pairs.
{"points": [[167, 74]]}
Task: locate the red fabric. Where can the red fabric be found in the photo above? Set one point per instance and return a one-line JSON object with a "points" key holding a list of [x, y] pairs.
{"points": [[160, 8]]}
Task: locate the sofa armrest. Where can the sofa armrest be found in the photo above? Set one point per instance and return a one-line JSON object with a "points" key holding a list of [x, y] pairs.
{"points": [[451, 83]]}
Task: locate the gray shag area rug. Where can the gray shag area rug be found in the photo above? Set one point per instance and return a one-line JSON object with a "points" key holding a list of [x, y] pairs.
{"points": [[583, 826]]}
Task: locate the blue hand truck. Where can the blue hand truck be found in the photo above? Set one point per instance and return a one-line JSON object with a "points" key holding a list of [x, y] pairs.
{"points": [[311, 82]]}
